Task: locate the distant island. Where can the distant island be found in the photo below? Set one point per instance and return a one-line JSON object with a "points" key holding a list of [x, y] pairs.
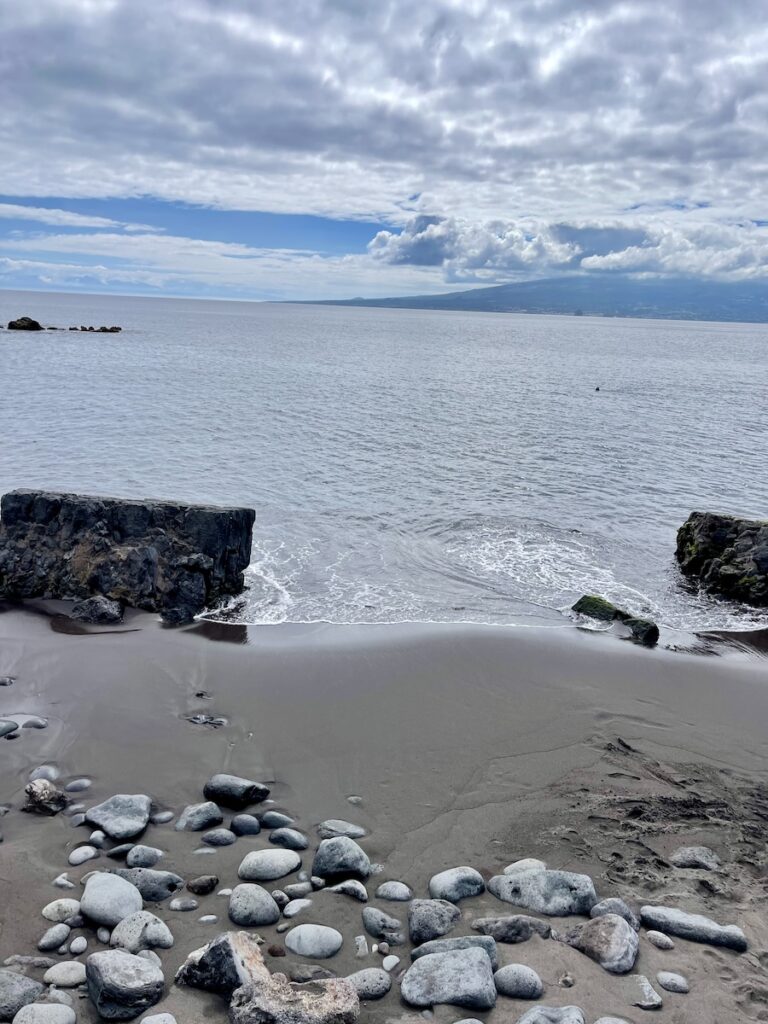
{"points": [[614, 295]]}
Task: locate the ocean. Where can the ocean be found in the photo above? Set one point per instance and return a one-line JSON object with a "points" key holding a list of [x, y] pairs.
{"points": [[404, 465]]}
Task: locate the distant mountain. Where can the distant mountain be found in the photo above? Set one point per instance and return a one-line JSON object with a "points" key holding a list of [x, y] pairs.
{"points": [[604, 295]]}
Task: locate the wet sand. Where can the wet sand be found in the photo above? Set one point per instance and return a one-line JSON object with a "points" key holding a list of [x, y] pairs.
{"points": [[467, 744]]}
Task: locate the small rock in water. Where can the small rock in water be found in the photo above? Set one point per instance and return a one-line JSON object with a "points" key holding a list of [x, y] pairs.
{"points": [[456, 884], [122, 985], [33, 722], [7, 680], [122, 816], [82, 854], [430, 919], [351, 887], [695, 857], [395, 891], [694, 927], [371, 983], [141, 930], [276, 819], [245, 825], [518, 982], [614, 905], [233, 791], [484, 942], [267, 865], [61, 910], [289, 838], [341, 857], [673, 982], [44, 798], [143, 856], [78, 945], [609, 940], [219, 837], [461, 977], [203, 885], [647, 998], [183, 905], [68, 974], [250, 906], [383, 926], [556, 893], [54, 938], [296, 907], [315, 941], [553, 1015], [659, 940], [512, 928], [107, 899], [199, 817], [303, 973], [335, 827]]}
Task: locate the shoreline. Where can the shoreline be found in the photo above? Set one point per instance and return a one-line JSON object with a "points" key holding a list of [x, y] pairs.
{"points": [[467, 744]]}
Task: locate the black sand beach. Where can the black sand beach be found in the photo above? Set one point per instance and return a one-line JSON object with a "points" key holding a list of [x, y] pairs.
{"points": [[466, 744]]}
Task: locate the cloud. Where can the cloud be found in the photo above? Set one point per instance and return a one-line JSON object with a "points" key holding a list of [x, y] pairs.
{"points": [[64, 218]]}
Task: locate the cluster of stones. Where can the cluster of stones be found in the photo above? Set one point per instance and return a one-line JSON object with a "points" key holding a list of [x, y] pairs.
{"points": [[26, 323], [124, 977]]}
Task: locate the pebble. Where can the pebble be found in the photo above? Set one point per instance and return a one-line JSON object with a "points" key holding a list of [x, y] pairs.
{"points": [[361, 946], [203, 885], [608, 940], [183, 904], [245, 825], [659, 940], [371, 983], [351, 887], [647, 997], [341, 856], [315, 941], [78, 785], [459, 977], [308, 972], [695, 857], [224, 892], [69, 974], [161, 817], [199, 817], [143, 856], [155, 886], [430, 919], [60, 910], [40, 1013], [518, 982], [290, 838], [332, 828], [295, 907], [103, 935], [389, 963], [456, 884], [98, 839], [251, 906], [122, 816], [7, 727], [383, 926], [45, 771], [673, 982], [78, 945], [108, 898], [120, 852], [396, 891], [82, 854], [55, 937], [141, 930], [63, 882], [298, 890], [267, 865], [694, 927], [276, 819], [219, 837], [208, 919]]}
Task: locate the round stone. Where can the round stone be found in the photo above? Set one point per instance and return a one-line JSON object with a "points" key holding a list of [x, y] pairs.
{"points": [[61, 910], [267, 865], [65, 975], [78, 945], [250, 906], [673, 982], [82, 854], [518, 982], [456, 884], [371, 983], [660, 940], [396, 891], [219, 837], [289, 838], [315, 941], [295, 907], [55, 937], [527, 864], [341, 857], [245, 825], [276, 819], [143, 856], [108, 899]]}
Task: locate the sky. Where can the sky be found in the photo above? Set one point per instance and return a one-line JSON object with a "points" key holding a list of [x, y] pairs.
{"points": [[340, 148]]}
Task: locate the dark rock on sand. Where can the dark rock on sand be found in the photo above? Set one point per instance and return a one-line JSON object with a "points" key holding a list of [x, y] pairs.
{"points": [[223, 965], [431, 919], [289, 838], [123, 816], [341, 857], [461, 977], [203, 885], [159, 556], [121, 985], [694, 927], [643, 630], [43, 797], [728, 556], [16, 991], [245, 825], [24, 323], [232, 791], [557, 893], [608, 940], [99, 610], [154, 886], [484, 942]]}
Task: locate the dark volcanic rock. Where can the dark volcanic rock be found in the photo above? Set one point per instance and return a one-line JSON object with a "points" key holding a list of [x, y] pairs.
{"points": [[643, 630], [98, 610], [729, 556], [232, 791], [155, 555], [24, 323], [223, 965]]}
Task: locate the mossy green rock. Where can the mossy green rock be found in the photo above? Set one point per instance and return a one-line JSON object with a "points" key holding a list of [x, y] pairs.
{"points": [[644, 631], [728, 556]]}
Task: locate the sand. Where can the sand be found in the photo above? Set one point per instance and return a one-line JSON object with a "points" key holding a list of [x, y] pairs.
{"points": [[467, 744]]}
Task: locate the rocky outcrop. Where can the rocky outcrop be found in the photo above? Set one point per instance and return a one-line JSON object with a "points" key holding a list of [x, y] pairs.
{"points": [[644, 631], [155, 555], [24, 323], [728, 556]]}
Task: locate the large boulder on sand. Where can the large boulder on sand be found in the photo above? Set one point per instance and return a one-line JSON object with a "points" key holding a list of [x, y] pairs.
{"points": [[156, 555], [728, 556]]}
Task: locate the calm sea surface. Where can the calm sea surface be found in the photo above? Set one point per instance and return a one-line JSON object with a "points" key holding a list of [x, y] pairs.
{"points": [[404, 465]]}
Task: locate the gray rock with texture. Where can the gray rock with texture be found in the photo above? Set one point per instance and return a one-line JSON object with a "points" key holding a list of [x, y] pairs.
{"points": [[518, 982], [198, 817], [334, 827], [646, 996], [695, 857], [121, 985], [461, 977], [108, 899], [694, 927], [97, 610], [45, 1013], [341, 857], [659, 940], [122, 816], [371, 983], [396, 891], [727, 555], [16, 990], [250, 906], [673, 982], [351, 887], [484, 942], [234, 791], [224, 965], [267, 865], [155, 886], [512, 928], [608, 940], [556, 893], [383, 926], [245, 825], [456, 884], [289, 838], [141, 931], [430, 919], [615, 905], [315, 941], [55, 937], [156, 555], [141, 856]]}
